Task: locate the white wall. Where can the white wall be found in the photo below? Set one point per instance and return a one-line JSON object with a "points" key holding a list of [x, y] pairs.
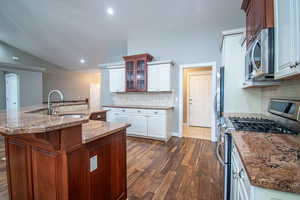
{"points": [[74, 85], [237, 99], [31, 87]]}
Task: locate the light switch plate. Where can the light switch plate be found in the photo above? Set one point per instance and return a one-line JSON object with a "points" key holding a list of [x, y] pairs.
{"points": [[93, 163]]}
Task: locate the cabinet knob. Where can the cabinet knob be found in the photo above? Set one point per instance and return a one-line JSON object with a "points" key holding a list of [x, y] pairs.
{"points": [[242, 174]]}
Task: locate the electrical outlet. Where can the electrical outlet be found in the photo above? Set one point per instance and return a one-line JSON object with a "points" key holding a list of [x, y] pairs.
{"points": [[93, 163]]}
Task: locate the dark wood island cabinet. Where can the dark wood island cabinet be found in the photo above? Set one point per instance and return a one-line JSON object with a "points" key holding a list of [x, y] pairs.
{"points": [[65, 159]]}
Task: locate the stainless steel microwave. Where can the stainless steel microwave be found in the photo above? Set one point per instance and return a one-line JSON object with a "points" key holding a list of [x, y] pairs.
{"points": [[260, 58]]}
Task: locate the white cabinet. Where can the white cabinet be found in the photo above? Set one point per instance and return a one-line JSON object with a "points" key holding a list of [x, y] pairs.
{"points": [[138, 125], [159, 77], [157, 126], [117, 80], [240, 187], [144, 122], [287, 42]]}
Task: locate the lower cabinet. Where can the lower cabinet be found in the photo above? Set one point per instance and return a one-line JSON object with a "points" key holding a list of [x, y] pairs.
{"points": [[138, 125], [157, 126], [154, 124]]}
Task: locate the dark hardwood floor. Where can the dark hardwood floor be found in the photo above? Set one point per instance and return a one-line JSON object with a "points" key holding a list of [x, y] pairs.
{"points": [[182, 169]]}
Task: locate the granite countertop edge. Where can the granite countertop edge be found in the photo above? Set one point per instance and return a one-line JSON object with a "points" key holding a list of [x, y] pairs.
{"points": [[16, 122]]}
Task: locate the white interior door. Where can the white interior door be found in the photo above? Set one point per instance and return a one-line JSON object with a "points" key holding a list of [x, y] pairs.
{"points": [[95, 95], [200, 99], [11, 89]]}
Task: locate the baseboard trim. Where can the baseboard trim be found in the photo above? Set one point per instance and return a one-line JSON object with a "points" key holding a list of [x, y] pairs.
{"points": [[176, 134]]}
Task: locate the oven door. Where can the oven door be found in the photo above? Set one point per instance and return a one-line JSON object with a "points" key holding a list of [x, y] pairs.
{"points": [[223, 152]]}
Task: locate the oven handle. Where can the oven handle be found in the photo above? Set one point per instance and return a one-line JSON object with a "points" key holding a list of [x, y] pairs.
{"points": [[218, 154], [252, 54]]}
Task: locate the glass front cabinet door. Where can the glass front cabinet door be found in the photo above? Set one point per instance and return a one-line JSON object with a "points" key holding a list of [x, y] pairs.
{"points": [[136, 72]]}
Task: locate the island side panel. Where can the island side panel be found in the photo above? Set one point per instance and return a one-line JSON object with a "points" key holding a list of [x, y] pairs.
{"points": [[18, 169], [119, 171], [37, 164]]}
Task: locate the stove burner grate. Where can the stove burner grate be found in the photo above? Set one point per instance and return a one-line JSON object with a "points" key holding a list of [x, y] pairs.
{"points": [[259, 125]]}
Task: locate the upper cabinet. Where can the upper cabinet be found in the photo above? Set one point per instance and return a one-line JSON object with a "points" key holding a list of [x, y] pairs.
{"points": [[159, 77], [287, 42], [136, 70], [117, 80], [259, 15]]}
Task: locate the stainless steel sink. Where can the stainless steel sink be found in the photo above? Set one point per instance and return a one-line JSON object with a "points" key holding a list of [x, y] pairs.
{"points": [[72, 115]]}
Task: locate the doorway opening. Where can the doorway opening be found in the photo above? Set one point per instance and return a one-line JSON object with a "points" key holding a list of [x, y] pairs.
{"points": [[12, 91], [196, 101]]}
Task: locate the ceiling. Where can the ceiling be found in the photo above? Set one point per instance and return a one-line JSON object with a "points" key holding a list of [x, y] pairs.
{"points": [[64, 31]]}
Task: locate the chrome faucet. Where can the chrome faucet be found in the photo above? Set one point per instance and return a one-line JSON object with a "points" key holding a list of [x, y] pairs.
{"points": [[50, 109]]}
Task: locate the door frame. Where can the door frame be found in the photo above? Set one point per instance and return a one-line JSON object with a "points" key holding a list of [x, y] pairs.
{"points": [[18, 88], [197, 73], [213, 65]]}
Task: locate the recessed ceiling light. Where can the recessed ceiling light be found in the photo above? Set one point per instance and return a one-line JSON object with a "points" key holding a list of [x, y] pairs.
{"points": [[82, 61], [15, 58], [110, 11]]}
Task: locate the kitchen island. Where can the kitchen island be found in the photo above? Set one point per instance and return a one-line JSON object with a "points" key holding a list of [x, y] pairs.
{"points": [[60, 157]]}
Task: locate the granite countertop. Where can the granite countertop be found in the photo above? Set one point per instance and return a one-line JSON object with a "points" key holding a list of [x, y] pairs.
{"points": [[28, 120], [141, 107], [97, 129], [272, 161]]}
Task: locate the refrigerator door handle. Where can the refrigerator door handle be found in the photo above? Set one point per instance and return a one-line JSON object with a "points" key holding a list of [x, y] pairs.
{"points": [[218, 154]]}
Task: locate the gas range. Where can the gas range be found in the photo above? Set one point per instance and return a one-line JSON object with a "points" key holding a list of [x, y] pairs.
{"points": [[259, 125]]}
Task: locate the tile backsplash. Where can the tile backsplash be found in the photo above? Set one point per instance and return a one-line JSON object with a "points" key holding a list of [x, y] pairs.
{"points": [[143, 99], [288, 89]]}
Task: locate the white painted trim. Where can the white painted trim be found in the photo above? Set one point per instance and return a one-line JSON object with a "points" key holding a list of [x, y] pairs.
{"points": [[122, 64], [176, 134], [158, 62], [232, 32], [112, 65], [214, 90]]}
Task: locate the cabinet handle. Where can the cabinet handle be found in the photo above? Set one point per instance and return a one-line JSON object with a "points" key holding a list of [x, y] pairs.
{"points": [[138, 111], [297, 63], [235, 175], [156, 113]]}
